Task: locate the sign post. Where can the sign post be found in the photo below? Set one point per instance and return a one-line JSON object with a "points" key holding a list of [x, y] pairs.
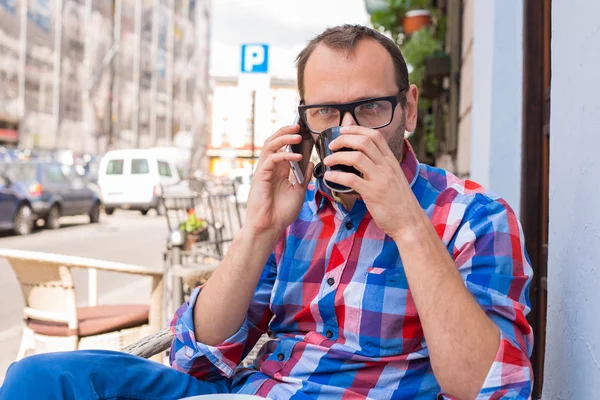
{"points": [[254, 71]]}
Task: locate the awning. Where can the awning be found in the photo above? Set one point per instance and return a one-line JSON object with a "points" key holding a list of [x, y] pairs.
{"points": [[9, 135]]}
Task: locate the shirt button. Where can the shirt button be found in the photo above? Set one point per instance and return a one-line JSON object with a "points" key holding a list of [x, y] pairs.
{"points": [[329, 334], [280, 356], [330, 281], [349, 225]]}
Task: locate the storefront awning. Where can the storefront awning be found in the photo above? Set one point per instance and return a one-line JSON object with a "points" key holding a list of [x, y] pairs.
{"points": [[9, 135]]}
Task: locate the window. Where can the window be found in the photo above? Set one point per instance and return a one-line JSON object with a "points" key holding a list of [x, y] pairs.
{"points": [[139, 166], [69, 172], [164, 169], [54, 174], [115, 167], [18, 172]]}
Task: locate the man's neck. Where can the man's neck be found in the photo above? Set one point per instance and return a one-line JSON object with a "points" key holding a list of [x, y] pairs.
{"points": [[347, 200]]}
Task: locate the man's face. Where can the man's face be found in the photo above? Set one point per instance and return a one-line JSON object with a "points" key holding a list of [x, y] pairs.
{"points": [[332, 77]]}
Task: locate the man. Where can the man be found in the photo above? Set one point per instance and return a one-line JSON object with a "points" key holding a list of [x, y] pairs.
{"points": [[414, 287]]}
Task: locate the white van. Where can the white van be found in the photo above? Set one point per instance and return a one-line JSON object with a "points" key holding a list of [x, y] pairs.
{"points": [[132, 179]]}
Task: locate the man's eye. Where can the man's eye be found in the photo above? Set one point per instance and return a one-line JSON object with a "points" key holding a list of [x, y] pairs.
{"points": [[369, 106], [324, 111]]}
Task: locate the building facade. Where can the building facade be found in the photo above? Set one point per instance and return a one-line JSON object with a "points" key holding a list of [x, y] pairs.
{"points": [[243, 119], [573, 328], [97, 75]]}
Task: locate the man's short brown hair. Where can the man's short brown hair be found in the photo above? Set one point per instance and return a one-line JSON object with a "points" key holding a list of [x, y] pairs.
{"points": [[345, 38]]}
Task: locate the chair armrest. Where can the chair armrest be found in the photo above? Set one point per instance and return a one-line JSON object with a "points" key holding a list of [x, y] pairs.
{"points": [[78, 262], [151, 345]]}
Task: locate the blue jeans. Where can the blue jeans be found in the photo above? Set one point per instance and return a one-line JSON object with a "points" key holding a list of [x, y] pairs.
{"points": [[100, 375]]}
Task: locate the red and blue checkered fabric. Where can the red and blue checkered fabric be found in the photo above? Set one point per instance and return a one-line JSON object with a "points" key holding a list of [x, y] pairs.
{"points": [[335, 300]]}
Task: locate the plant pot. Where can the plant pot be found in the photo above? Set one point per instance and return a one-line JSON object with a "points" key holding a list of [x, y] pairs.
{"points": [[415, 20], [195, 237]]}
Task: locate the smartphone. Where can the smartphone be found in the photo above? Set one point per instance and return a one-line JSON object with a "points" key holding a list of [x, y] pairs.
{"points": [[304, 148]]}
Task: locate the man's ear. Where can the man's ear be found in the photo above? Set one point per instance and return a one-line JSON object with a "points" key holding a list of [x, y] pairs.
{"points": [[412, 100]]}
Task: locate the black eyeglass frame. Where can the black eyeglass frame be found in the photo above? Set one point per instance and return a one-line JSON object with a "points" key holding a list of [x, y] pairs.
{"points": [[344, 108]]}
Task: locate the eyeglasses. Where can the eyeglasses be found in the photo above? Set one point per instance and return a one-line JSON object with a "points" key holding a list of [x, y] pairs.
{"points": [[370, 113]]}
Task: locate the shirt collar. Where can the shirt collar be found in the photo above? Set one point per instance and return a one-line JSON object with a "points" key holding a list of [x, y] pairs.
{"points": [[409, 165]]}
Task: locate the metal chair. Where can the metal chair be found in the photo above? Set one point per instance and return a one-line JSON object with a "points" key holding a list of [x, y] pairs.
{"points": [[184, 270], [225, 215]]}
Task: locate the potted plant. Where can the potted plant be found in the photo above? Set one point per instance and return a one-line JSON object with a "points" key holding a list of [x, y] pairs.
{"points": [[195, 229], [414, 20], [419, 28]]}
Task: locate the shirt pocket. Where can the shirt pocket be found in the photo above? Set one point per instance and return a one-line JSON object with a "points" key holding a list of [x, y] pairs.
{"points": [[389, 324]]}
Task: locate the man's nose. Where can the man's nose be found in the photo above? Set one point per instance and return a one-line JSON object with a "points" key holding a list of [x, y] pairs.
{"points": [[348, 120]]}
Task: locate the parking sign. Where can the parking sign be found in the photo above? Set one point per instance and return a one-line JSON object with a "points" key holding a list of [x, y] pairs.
{"points": [[255, 58]]}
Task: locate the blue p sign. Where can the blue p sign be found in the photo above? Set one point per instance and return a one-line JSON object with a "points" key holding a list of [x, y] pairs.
{"points": [[255, 58]]}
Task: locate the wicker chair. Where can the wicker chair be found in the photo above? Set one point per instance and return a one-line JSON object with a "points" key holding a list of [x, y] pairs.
{"points": [[159, 342], [153, 345], [53, 321]]}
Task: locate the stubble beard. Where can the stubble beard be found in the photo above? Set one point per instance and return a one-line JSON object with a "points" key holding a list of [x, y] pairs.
{"points": [[396, 141]]}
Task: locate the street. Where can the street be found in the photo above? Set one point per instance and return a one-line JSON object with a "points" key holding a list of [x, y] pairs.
{"points": [[126, 237]]}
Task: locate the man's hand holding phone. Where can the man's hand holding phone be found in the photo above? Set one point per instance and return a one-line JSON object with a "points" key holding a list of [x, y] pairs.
{"points": [[274, 202], [305, 148]]}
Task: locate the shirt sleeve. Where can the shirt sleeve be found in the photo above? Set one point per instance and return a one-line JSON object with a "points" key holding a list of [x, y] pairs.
{"points": [[489, 250], [212, 362]]}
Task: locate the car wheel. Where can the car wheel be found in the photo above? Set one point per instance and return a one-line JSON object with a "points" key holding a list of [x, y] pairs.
{"points": [[161, 209], [23, 223], [109, 211], [53, 218], [144, 212], [95, 213]]}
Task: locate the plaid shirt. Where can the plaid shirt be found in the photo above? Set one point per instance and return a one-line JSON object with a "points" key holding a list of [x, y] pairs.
{"points": [[334, 298]]}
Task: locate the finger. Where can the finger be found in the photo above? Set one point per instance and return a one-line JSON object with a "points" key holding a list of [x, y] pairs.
{"points": [[347, 179], [277, 158], [281, 141], [360, 143], [375, 136], [354, 159], [286, 130], [276, 143]]}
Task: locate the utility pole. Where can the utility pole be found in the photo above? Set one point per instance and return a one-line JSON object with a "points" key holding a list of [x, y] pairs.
{"points": [[56, 72], [115, 117], [253, 130], [154, 71], [184, 54], [135, 116], [87, 112], [22, 62], [169, 77]]}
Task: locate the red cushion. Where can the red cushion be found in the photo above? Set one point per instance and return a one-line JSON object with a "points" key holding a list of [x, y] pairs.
{"points": [[95, 320]]}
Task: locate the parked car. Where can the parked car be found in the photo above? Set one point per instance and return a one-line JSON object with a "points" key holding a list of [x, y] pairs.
{"points": [[16, 213], [134, 179], [54, 190]]}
